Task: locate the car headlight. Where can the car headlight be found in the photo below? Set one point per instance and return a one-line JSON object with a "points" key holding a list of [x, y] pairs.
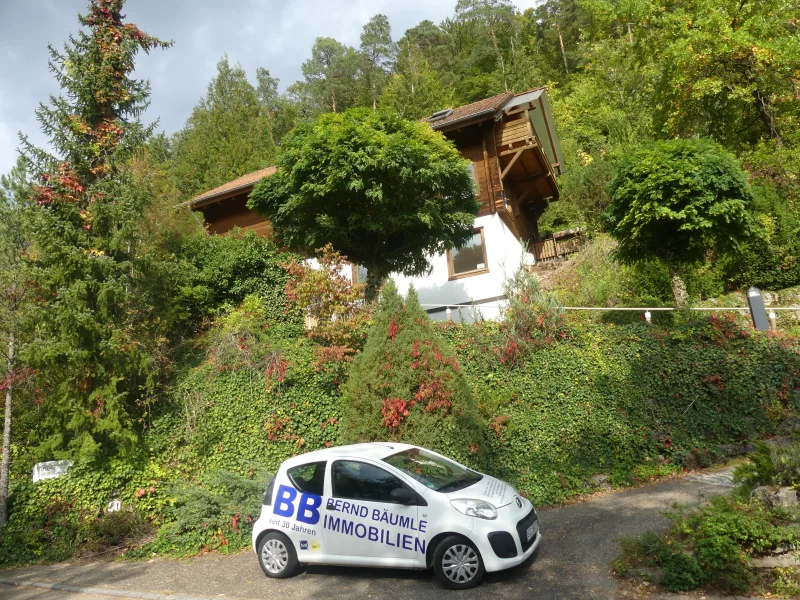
{"points": [[475, 508]]}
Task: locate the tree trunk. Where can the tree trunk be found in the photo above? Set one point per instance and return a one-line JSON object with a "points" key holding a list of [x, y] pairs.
{"points": [[678, 288], [762, 105], [499, 56], [333, 99], [6, 461], [563, 52], [410, 66], [373, 285]]}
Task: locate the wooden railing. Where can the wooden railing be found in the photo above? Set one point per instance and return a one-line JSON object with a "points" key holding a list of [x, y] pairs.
{"points": [[556, 247], [510, 134]]}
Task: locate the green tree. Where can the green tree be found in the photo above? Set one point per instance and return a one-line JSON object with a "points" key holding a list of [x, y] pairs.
{"points": [[490, 16], [406, 385], [383, 191], [729, 68], [96, 340], [676, 201], [229, 133], [427, 46], [15, 193], [726, 69], [378, 51], [416, 95], [276, 108], [331, 78]]}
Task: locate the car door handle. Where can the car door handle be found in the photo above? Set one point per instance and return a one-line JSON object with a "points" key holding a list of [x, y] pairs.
{"points": [[330, 506]]}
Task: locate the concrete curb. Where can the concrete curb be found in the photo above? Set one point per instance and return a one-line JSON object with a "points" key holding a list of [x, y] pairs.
{"points": [[98, 591]]}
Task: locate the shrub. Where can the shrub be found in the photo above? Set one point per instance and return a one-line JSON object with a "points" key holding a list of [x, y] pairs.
{"points": [[54, 519], [771, 259], [228, 268], [532, 318], [338, 314], [218, 517], [769, 465], [710, 545], [592, 277], [408, 386], [256, 398]]}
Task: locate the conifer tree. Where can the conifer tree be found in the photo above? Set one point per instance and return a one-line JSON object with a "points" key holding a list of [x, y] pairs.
{"points": [[14, 296], [407, 386], [96, 341]]}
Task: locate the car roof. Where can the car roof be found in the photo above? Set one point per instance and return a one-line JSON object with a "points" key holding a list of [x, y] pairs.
{"points": [[369, 450]]}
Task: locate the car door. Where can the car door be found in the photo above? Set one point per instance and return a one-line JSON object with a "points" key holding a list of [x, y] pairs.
{"points": [[362, 522]]}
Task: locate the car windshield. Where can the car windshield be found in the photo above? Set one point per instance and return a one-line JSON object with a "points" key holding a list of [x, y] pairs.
{"points": [[433, 471]]}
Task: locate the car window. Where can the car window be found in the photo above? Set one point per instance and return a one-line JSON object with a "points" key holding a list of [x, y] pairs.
{"points": [[308, 478], [362, 481], [268, 493], [432, 471]]}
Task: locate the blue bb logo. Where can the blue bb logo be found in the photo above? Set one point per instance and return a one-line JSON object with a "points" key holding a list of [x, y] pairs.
{"points": [[303, 545], [307, 508]]}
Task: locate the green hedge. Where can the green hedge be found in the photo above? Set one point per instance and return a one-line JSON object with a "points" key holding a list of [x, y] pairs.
{"points": [[625, 401]]}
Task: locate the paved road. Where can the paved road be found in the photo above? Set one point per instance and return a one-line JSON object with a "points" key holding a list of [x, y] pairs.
{"points": [[572, 562]]}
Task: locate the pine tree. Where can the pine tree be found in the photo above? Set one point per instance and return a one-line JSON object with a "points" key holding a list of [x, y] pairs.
{"points": [[96, 341]]}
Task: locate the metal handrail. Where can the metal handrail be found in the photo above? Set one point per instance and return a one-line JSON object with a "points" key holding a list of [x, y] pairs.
{"points": [[622, 308]]}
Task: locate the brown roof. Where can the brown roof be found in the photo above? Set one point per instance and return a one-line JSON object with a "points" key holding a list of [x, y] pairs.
{"points": [[468, 111], [242, 182]]}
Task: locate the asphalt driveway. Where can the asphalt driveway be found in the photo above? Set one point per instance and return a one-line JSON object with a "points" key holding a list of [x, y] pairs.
{"points": [[572, 562]]}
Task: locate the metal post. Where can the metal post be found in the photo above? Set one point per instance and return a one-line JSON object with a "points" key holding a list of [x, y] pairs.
{"points": [[648, 317], [772, 319], [757, 310], [449, 314]]}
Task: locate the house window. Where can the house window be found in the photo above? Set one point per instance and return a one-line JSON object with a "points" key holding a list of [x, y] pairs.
{"points": [[470, 259]]}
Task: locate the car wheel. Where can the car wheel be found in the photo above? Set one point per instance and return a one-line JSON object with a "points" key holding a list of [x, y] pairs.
{"points": [[457, 563], [277, 556]]}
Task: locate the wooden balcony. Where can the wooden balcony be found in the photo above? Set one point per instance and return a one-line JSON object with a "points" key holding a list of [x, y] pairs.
{"points": [[523, 163]]}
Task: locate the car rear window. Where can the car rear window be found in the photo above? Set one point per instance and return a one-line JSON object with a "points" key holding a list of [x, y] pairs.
{"points": [[308, 478]]}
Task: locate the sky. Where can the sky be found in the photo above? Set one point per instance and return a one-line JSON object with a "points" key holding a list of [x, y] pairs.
{"points": [[275, 34]]}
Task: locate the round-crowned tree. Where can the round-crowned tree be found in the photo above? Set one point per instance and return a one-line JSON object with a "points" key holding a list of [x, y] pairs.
{"points": [[675, 201], [385, 192], [407, 386]]}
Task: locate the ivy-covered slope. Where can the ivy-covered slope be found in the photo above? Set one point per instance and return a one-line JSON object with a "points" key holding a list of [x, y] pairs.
{"points": [[631, 401]]}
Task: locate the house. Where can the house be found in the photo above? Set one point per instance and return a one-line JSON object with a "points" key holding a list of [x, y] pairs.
{"points": [[512, 143]]}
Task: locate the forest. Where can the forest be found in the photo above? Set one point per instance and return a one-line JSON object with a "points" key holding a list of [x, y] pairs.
{"points": [[619, 75], [175, 369]]}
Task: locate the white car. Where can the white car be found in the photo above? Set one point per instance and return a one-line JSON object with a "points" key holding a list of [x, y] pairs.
{"points": [[392, 505]]}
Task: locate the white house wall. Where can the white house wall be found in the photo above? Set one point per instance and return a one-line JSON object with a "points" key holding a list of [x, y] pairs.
{"points": [[503, 255]]}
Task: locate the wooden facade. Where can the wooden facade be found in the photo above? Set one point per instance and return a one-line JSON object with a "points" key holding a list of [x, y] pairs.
{"points": [[510, 140], [514, 168], [225, 207]]}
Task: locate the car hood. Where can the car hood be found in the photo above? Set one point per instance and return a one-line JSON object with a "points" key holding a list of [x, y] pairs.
{"points": [[498, 492]]}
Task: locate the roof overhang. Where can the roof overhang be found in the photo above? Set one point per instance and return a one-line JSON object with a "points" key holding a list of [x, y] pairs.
{"points": [[236, 187]]}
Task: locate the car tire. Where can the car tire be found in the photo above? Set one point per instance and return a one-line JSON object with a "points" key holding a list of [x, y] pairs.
{"points": [[457, 563], [277, 556]]}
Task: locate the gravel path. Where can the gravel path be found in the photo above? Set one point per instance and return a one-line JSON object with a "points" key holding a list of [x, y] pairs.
{"points": [[573, 561]]}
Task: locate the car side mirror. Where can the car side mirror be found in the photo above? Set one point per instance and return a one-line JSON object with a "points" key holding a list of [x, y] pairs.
{"points": [[401, 496]]}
